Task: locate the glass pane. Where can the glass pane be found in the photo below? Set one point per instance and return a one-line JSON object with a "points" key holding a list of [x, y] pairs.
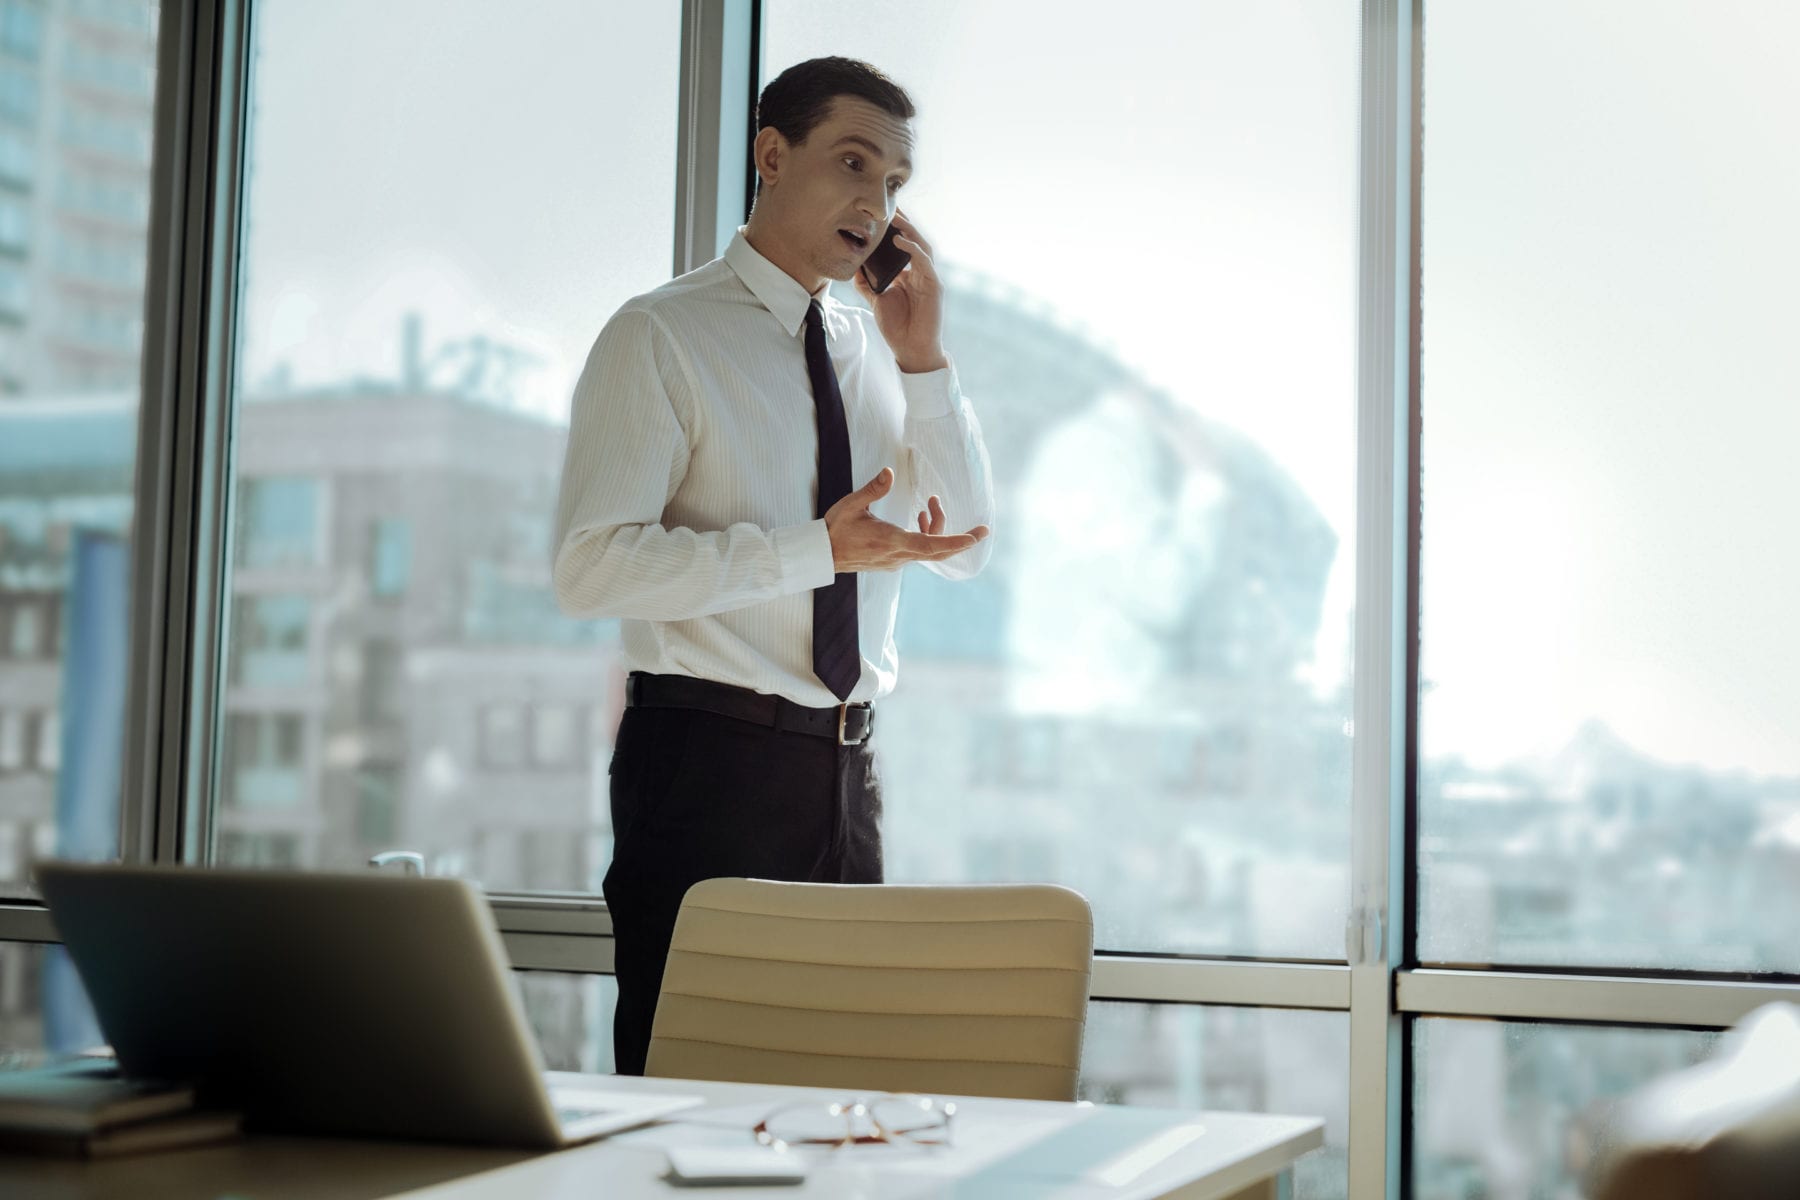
{"points": [[44, 1010], [1150, 305], [1235, 1059], [75, 128], [572, 1017], [1509, 1111], [21, 1001], [425, 265], [1610, 723]]}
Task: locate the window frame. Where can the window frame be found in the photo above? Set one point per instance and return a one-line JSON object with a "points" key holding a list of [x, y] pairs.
{"points": [[180, 617]]}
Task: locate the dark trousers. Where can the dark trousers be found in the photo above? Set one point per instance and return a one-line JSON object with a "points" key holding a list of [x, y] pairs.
{"points": [[697, 796]]}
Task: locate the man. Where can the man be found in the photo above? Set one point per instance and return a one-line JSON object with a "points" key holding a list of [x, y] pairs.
{"points": [[706, 499]]}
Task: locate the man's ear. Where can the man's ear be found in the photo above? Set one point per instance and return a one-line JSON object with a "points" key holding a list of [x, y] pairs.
{"points": [[767, 153]]}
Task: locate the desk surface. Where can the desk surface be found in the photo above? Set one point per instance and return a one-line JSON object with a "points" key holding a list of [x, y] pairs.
{"points": [[1004, 1149]]}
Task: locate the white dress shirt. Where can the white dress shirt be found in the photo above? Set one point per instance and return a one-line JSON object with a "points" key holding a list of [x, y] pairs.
{"points": [[692, 471]]}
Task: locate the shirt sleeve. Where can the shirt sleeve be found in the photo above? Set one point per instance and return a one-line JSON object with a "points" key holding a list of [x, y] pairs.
{"points": [[630, 427], [950, 461]]}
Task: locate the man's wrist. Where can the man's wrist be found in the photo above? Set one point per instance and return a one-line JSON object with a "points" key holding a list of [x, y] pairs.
{"points": [[920, 366]]}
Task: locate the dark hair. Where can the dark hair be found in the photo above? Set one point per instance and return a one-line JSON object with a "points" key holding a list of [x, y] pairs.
{"points": [[795, 101]]}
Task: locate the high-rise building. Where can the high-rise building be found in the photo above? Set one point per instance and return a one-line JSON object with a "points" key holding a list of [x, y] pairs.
{"points": [[77, 89]]}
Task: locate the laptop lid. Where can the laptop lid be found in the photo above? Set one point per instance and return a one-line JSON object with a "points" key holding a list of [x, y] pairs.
{"points": [[311, 1002]]}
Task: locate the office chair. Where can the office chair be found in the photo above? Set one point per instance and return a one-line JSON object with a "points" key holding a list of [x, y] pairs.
{"points": [[974, 990]]}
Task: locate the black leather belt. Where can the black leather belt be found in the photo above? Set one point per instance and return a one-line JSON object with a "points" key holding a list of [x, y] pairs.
{"points": [[849, 724]]}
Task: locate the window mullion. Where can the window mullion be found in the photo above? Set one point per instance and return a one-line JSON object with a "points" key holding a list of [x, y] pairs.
{"points": [[158, 515], [1375, 933], [178, 509], [718, 51], [1248, 984], [1599, 998], [26, 923]]}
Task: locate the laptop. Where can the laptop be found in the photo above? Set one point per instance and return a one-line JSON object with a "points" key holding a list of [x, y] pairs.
{"points": [[362, 1004]]}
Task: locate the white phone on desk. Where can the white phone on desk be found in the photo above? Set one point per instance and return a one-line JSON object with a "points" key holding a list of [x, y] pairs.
{"points": [[723, 1166]]}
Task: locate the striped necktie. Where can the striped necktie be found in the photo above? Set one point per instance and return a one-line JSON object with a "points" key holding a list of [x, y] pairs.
{"points": [[837, 655]]}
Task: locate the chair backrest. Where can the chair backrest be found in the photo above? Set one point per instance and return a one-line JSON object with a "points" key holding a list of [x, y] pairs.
{"points": [[974, 990], [1728, 1127]]}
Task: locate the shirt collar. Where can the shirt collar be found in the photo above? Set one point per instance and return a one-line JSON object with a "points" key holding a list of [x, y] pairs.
{"points": [[777, 289]]}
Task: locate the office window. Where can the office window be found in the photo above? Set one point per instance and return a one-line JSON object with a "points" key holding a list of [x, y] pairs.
{"points": [[1608, 755], [1516, 1109], [420, 295], [1150, 302], [21, 1003], [1609, 723], [1236, 1059], [571, 1016], [67, 466]]}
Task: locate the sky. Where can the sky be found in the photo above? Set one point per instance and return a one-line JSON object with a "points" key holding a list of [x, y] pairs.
{"points": [[1608, 259]]}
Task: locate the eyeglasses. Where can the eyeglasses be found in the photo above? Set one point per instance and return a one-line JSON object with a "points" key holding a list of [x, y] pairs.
{"points": [[865, 1120]]}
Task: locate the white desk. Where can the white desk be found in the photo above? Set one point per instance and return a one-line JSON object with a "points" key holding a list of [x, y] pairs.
{"points": [[1005, 1150]]}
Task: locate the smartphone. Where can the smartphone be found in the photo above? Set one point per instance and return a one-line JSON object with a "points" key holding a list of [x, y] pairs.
{"points": [[885, 261], [691, 1166]]}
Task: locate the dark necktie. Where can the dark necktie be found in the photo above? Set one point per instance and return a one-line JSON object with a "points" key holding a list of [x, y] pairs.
{"points": [[837, 657]]}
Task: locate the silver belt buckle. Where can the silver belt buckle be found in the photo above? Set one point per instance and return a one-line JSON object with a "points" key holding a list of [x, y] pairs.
{"points": [[843, 711]]}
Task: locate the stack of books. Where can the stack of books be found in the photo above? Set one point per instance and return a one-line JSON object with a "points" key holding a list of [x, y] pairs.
{"points": [[86, 1109]]}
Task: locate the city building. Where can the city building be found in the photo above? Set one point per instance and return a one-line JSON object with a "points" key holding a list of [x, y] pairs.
{"points": [[76, 92]]}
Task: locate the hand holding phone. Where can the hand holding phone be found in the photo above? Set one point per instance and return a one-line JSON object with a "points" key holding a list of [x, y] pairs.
{"points": [[885, 262]]}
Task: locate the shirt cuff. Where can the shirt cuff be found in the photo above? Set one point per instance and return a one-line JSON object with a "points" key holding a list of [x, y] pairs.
{"points": [[930, 393], [804, 552]]}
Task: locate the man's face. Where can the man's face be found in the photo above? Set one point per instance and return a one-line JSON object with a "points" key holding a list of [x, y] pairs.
{"points": [[839, 186]]}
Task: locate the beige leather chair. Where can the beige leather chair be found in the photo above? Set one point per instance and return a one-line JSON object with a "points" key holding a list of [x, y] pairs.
{"points": [[977, 990], [1727, 1129]]}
